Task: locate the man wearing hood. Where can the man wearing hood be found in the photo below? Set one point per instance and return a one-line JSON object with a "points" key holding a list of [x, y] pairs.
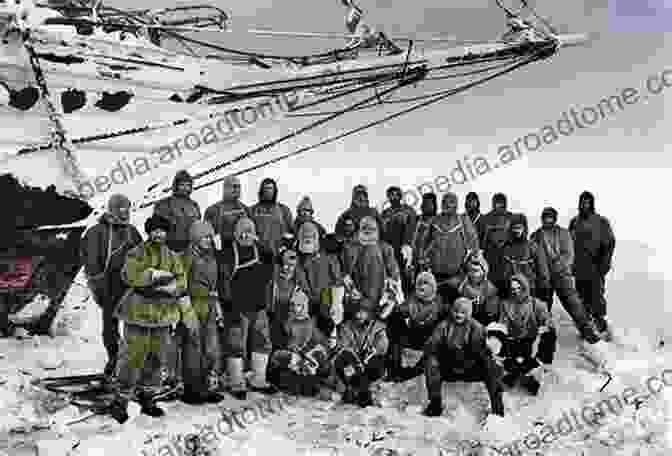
{"points": [[156, 302], [449, 242], [359, 208], [476, 286], [558, 246], [495, 233], [201, 355], [594, 245], [525, 319], [181, 210], [224, 214], [521, 256], [399, 221], [457, 351], [104, 249], [245, 271], [369, 264], [271, 218], [322, 273], [472, 207], [306, 213], [428, 211]]}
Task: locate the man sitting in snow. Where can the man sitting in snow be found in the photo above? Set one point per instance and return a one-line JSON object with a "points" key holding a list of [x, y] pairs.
{"points": [[299, 366], [480, 290], [457, 351], [156, 302], [524, 319], [362, 346]]}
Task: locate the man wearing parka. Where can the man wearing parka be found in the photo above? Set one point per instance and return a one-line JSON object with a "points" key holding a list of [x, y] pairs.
{"points": [[522, 256], [483, 294], [472, 207], [450, 240], [399, 221], [271, 218], [104, 249], [457, 351], [557, 244], [245, 270], [368, 264], [412, 323], [525, 318], [495, 233], [359, 208], [360, 358], [321, 272], [155, 303], [428, 211], [201, 356], [224, 214], [594, 245], [306, 213], [181, 210]]}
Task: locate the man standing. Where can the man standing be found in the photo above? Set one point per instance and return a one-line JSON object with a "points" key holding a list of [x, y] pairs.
{"points": [[495, 234], [224, 214], [557, 243], [180, 210], [104, 249], [472, 207], [594, 245], [399, 222], [272, 219], [359, 208]]}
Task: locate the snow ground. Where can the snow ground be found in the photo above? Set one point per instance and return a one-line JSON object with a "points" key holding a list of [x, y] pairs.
{"points": [[311, 426]]}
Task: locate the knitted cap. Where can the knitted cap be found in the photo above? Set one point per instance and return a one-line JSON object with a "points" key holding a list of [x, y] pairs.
{"points": [[158, 222]]}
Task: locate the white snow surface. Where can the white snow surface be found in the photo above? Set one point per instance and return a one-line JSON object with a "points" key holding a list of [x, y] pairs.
{"points": [[32, 422]]}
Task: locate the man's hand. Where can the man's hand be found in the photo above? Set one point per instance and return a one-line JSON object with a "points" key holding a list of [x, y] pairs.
{"points": [[161, 277], [407, 254], [494, 345]]}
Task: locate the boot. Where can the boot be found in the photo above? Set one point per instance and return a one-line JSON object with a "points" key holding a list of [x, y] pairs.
{"points": [[258, 382], [434, 408], [237, 386], [589, 332], [364, 399], [349, 397], [509, 380], [530, 384], [148, 406]]}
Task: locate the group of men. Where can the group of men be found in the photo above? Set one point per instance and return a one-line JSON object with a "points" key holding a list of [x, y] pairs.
{"points": [[255, 298]]}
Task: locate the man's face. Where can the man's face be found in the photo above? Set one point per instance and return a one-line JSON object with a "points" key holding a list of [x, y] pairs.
{"points": [[158, 235], [548, 222], [232, 189], [428, 207], [471, 205], [184, 188], [361, 317], [586, 206], [247, 234], [268, 191], [423, 287], [305, 213], [289, 260], [461, 311], [394, 197], [124, 213], [516, 290], [449, 206], [206, 243], [361, 200]]}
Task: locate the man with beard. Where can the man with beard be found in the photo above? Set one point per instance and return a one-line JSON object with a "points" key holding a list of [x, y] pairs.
{"points": [[449, 242], [245, 271], [156, 303], [306, 213], [224, 214], [457, 351], [428, 210], [495, 233], [359, 208], [558, 246], [472, 207], [369, 264], [272, 219], [594, 245], [521, 256], [399, 221], [181, 210], [104, 249]]}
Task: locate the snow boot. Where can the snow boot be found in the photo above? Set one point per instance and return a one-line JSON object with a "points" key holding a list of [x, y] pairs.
{"points": [[434, 408], [509, 380], [530, 384], [148, 406], [237, 386], [364, 399], [589, 332], [258, 381], [349, 396]]}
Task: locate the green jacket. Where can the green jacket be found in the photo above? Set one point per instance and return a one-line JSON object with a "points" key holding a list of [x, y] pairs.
{"points": [[140, 305], [201, 273]]}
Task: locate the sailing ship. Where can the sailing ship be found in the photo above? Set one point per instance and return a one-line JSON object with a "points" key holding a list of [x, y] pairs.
{"points": [[93, 102]]}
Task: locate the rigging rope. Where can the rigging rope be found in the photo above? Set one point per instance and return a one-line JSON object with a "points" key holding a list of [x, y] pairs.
{"points": [[542, 53]]}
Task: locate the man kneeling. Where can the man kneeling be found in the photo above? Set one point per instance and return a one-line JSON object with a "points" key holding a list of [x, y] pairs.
{"points": [[456, 351]]}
